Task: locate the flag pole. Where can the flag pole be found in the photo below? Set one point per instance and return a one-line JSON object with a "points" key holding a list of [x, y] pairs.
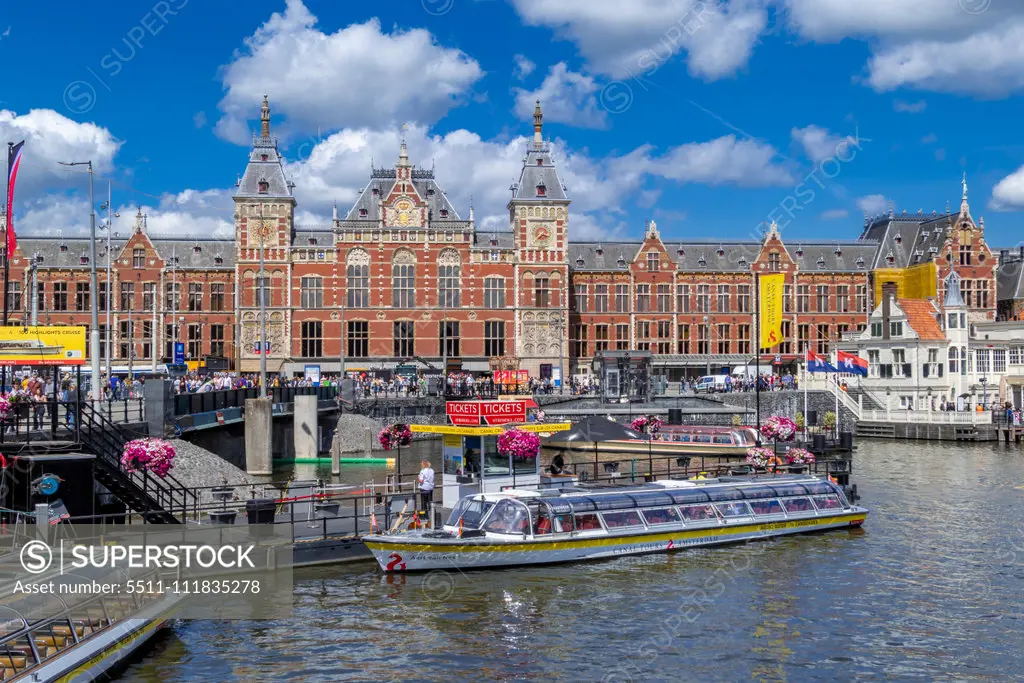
{"points": [[807, 375], [757, 349], [7, 229], [837, 396]]}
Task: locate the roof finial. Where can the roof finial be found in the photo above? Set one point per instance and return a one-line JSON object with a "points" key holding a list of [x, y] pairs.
{"points": [[964, 184], [403, 152], [472, 217], [265, 118], [538, 126], [335, 215]]}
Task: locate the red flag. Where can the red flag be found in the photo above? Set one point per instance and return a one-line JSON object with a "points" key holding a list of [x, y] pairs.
{"points": [[13, 163]]}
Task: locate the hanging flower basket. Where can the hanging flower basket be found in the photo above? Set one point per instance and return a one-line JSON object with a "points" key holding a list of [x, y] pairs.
{"points": [[14, 403], [394, 436], [519, 444], [799, 456], [150, 455], [778, 428], [647, 424], [761, 457]]}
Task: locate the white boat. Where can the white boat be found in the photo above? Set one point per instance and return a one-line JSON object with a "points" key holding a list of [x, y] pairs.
{"points": [[525, 527]]}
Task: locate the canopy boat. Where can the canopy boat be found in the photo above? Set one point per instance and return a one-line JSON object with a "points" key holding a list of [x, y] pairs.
{"points": [[28, 347], [670, 440], [524, 527]]}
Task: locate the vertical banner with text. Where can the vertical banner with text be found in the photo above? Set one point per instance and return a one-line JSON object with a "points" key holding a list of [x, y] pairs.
{"points": [[770, 309]]}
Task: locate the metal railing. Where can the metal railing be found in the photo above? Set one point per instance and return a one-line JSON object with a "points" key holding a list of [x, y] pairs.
{"points": [[209, 401], [632, 470], [966, 417]]}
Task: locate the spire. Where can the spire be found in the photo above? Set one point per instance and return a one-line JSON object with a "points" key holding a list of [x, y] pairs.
{"points": [[472, 217], [652, 230], [140, 221], [335, 215], [953, 296], [538, 126], [265, 118], [964, 184], [965, 209]]}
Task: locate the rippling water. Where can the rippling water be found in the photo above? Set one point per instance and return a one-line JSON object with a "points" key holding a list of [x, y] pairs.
{"points": [[929, 589]]}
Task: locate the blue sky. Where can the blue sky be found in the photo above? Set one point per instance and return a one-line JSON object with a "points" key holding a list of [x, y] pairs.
{"points": [[709, 117]]}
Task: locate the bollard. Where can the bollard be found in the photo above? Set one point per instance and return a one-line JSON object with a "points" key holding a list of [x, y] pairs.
{"points": [[43, 522]]}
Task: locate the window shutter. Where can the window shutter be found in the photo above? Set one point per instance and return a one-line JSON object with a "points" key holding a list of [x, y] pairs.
{"points": [[940, 369], [906, 369], [924, 370]]}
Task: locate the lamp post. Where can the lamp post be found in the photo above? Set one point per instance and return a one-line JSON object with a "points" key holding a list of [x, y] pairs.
{"points": [[109, 226], [94, 331], [984, 391], [263, 309], [34, 284], [707, 340]]}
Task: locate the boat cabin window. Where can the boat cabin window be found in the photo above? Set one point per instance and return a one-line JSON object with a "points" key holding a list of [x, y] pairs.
{"points": [[562, 524], [588, 522], [614, 502], [624, 518], [766, 507], [508, 517], [722, 438], [696, 513], [743, 438], [734, 509], [701, 438], [797, 504], [830, 502], [471, 511], [661, 516], [682, 438]]}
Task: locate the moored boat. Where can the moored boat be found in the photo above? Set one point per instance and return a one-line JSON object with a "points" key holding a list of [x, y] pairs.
{"points": [[524, 527], [671, 440]]}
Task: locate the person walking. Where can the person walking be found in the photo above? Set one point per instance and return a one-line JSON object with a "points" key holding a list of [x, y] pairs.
{"points": [[425, 484]]}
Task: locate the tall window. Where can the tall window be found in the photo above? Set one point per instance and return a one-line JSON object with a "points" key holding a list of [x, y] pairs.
{"points": [[14, 296], [448, 278], [312, 337], [703, 299], [404, 335], [823, 299], [786, 347], [195, 296], [579, 341], [138, 258], [823, 336], [147, 338], [803, 298], [494, 292], [723, 298], [774, 262], [448, 338], [357, 279], [82, 296], [953, 358], [358, 339], [803, 333], [787, 298], [125, 334], [60, 296], [621, 337], [643, 298], [217, 340], [622, 298], [981, 357], [127, 296], [41, 296], [861, 305], [723, 339], [403, 279], [702, 340], [581, 298], [102, 301], [643, 334], [148, 295], [843, 298], [683, 339], [312, 293], [981, 294], [653, 261], [172, 296], [195, 341], [664, 298], [600, 299], [743, 299], [541, 291], [743, 339], [682, 298], [494, 338], [170, 336], [600, 338], [965, 254], [217, 296], [664, 336]]}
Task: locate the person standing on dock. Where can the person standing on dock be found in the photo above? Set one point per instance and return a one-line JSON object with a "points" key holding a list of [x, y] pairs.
{"points": [[425, 483]]}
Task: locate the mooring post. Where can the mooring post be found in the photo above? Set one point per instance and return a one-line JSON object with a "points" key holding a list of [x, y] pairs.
{"points": [[42, 522], [259, 423], [305, 427]]}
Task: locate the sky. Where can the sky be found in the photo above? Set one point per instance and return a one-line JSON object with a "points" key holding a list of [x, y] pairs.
{"points": [[711, 117]]}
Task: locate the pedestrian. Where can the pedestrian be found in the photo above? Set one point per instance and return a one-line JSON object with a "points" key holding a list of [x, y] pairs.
{"points": [[425, 483]]}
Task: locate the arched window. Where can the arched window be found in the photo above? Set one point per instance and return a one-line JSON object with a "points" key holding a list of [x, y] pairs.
{"points": [[358, 279], [403, 279], [953, 356], [449, 266]]}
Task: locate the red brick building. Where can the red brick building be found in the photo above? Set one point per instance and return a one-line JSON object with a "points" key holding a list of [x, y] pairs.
{"points": [[401, 277]]}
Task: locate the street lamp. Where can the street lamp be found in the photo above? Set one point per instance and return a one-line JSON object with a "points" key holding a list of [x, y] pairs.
{"points": [[109, 227], [94, 331], [984, 391], [707, 341]]}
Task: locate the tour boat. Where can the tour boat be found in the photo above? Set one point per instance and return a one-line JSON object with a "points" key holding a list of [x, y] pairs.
{"points": [[525, 527], [671, 440], [28, 347]]}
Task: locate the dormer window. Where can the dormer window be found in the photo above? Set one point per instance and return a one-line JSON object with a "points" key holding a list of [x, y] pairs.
{"points": [[219, 260], [720, 251], [898, 238], [362, 213], [540, 162], [84, 259], [264, 187], [742, 262], [312, 241], [376, 192], [799, 252], [860, 262], [196, 249], [890, 259], [63, 247], [444, 213], [599, 251], [541, 190], [681, 251], [579, 262], [838, 251], [701, 261], [263, 157], [821, 262], [621, 262], [175, 260]]}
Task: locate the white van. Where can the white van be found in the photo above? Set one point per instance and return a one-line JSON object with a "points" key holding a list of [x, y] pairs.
{"points": [[710, 384]]}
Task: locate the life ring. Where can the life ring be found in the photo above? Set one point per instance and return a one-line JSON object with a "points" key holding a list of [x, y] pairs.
{"points": [[774, 463], [3, 462]]}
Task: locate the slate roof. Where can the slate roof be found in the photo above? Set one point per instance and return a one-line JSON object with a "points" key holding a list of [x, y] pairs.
{"points": [[833, 256], [909, 238], [383, 180], [1010, 278], [54, 256], [921, 318], [482, 239], [323, 236], [271, 170], [539, 170]]}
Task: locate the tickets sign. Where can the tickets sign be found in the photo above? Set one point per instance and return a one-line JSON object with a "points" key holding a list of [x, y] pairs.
{"points": [[485, 412]]}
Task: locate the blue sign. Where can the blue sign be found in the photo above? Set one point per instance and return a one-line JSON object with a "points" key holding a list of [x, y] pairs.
{"points": [[179, 353]]}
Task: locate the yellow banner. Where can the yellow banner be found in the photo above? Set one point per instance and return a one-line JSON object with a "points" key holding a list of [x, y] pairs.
{"points": [[770, 309], [542, 427], [458, 431], [915, 282], [55, 345]]}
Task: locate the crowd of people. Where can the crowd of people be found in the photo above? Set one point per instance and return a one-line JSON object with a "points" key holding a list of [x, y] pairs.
{"points": [[734, 383]]}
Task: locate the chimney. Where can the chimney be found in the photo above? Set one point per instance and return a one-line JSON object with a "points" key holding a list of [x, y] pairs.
{"points": [[888, 294], [1003, 253]]}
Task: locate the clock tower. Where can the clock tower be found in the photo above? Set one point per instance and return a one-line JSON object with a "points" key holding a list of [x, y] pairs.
{"points": [[539, 218], [264, 222]]}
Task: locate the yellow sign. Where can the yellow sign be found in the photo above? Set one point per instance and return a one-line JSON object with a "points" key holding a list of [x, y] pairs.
{"points": [[192, 365], [56, 345], [452, 442], [770, 309], [915, 282], [457, 431], [551, 427]]}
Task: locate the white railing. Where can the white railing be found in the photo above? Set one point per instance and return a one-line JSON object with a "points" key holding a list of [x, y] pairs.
{"points": [[845, 399], [928, 417]]}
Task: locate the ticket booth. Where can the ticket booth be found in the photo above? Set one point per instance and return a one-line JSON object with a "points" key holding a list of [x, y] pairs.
{"points": [[471, 462]]}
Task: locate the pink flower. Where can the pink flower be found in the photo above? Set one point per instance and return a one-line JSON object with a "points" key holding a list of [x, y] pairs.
{"points": [[519, 444], [395, 435], [153, 455]]}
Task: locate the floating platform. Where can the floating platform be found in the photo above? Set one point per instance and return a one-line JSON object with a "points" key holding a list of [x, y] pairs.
{"points": [[344, 461]]}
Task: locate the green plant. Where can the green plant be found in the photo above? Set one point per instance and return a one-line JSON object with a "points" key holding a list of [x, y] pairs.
{"points": [[737, 421], [800, 421], [830, 420]]}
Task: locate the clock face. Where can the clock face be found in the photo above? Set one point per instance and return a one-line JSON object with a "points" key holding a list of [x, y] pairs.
{"points": [[541, 235]]}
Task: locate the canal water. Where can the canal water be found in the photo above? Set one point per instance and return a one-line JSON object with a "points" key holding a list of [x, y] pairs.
{"points": [[929, 589]]}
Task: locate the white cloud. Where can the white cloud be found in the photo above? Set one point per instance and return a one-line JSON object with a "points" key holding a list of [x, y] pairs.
{"points": [[566, 97], [929, 139], [619, 38], [524, 67], [873, 204], [820, 144], [724, 161], [909, 107], [358, 75], [940, 154], [834, 214], [1008, 194], [833, 20]]}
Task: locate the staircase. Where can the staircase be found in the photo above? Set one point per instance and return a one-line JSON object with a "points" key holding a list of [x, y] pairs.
{"points": [[868, 400], [158, 500]]}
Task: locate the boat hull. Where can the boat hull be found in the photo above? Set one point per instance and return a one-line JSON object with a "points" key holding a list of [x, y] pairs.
{"points": [[412, 554]]}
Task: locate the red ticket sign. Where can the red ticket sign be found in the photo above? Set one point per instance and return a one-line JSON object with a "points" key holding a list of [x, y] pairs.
{"points": [[463, 412], [490, 412]]}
